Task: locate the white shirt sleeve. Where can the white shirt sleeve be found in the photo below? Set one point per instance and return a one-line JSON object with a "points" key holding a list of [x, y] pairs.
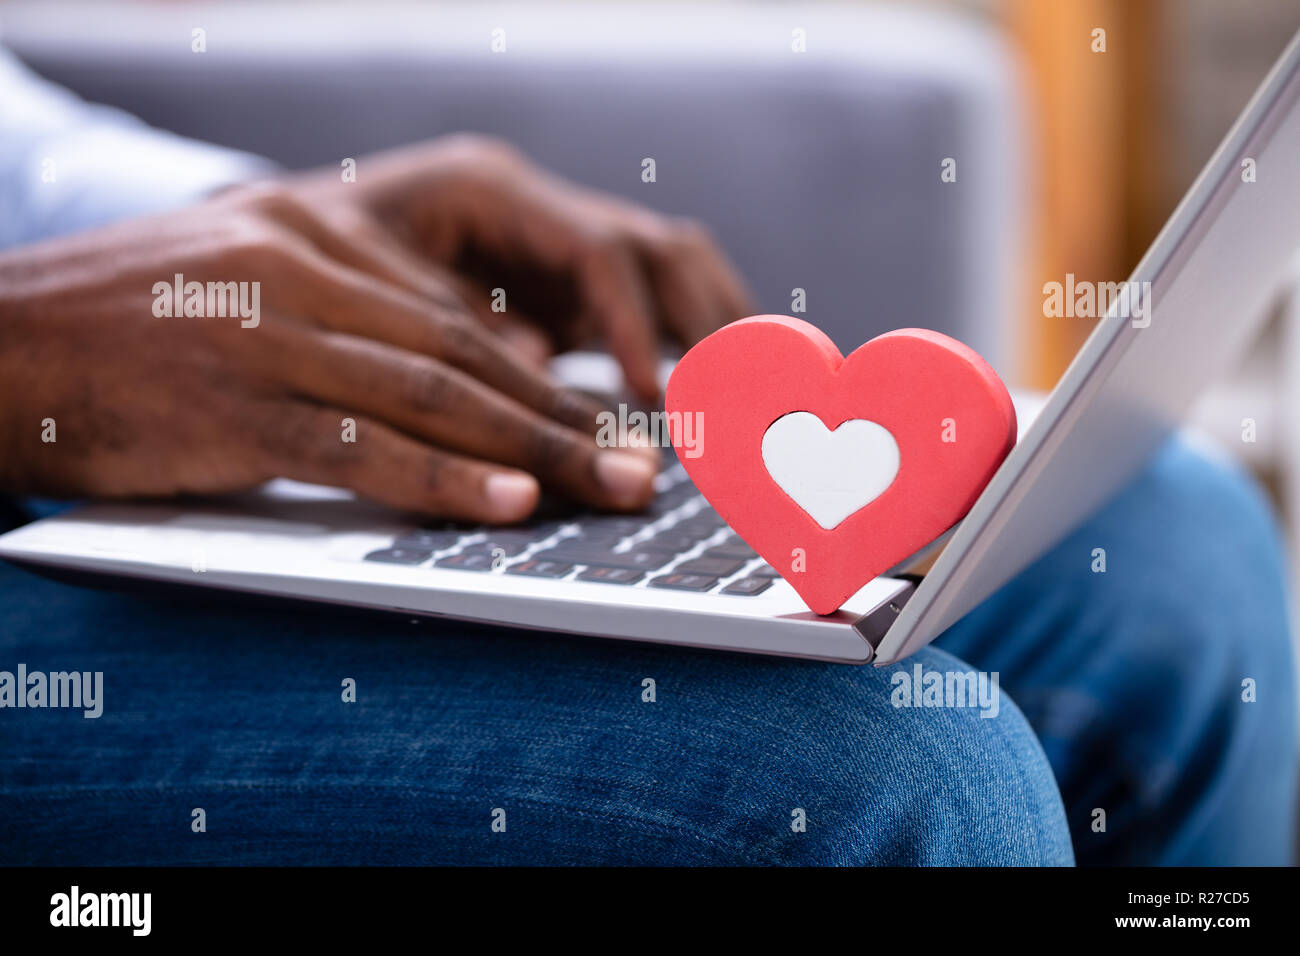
{"points": [[67, 165]]}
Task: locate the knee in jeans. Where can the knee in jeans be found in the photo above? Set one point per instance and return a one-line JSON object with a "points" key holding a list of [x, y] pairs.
{"points": [[1195, 560], [860, 767]]}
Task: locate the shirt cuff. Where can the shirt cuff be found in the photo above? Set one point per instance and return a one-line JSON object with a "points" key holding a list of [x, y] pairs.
{"points": [[67, 165], [101, 174]]}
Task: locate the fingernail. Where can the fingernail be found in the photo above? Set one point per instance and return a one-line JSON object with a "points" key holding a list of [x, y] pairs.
{"points": [[643, 447], [532, 347], [626, 476], [511, 495]]}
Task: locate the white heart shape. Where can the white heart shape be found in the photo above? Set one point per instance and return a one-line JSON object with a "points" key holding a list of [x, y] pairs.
{"points": [[830, 474]]}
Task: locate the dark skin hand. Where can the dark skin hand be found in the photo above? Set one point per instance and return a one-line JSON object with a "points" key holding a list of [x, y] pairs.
{"points": [[374, 306], [575, 263]]}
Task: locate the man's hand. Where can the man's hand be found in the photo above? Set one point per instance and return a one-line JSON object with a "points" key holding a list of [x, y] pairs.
{"points": [[448, 420], [572, 262]]}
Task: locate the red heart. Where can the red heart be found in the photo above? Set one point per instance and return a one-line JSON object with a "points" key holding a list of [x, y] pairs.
{"points": [[945, 407]]}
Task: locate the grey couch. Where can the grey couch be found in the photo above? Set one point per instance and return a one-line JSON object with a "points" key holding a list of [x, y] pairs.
{"points": [[819, 170]]}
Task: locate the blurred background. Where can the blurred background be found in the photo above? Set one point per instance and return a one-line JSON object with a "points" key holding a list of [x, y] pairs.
{"points": [[811, 138]]}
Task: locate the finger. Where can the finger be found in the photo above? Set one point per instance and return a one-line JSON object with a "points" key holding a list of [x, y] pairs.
{"points": [[685, 304], [698, 288], [545, 223], [516, 329], [360, 246], [383, 257], [349, 301], [616, 296], [738, 300], [303, 442], [532, 344], [455, 411], [375, 252]]}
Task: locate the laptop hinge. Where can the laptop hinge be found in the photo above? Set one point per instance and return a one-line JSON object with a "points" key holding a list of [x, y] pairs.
{"points": [[874, 626]]}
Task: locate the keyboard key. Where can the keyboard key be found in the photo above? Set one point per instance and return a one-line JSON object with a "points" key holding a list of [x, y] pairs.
{"points": [[595, 541], [540, 569], [612, 575], [733, 547], [684, 582], [400, 555], [635, 560], [718, 567], [540, 530], [672, 540], [597, 549], [673, 498], [520, 536], [703, 522], [765, 571], [651, 547], [618, 527], [429, 540], [467, 561], [511, 546], [748, 587]]}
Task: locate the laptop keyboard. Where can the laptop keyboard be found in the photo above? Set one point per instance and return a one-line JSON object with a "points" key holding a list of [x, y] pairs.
{"points": [[680, 543]]}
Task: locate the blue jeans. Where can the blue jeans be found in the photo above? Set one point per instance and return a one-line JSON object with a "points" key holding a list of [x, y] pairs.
{"points": [[1129, 685]]}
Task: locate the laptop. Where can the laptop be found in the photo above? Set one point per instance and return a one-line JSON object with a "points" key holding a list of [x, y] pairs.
{"points": [[677, 574]]}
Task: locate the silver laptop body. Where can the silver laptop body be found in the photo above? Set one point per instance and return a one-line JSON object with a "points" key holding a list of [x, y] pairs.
{"points": [[678, 575]]}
